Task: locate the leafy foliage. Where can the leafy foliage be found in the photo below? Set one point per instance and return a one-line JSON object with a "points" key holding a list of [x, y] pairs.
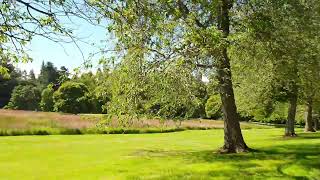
{"points": [[7, 84], [171, 92], [213, 107], [24, 97], [46, 103], [71, 97], [48, 74]]}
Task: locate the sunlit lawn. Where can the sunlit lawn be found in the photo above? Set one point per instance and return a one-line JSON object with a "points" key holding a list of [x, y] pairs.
{"points": [[180, 155]]}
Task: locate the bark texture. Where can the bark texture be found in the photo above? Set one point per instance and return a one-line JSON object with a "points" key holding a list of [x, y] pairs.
{"points": [[233, 139], [289, 131], [308, 117]]}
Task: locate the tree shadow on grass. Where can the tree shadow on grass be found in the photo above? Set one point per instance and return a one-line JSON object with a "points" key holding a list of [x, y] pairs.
{"points": [[304, 135], [307, 135], [298, 161]]}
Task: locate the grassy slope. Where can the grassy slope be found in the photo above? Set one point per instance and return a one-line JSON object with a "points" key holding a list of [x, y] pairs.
{"points": [[181, 155]]}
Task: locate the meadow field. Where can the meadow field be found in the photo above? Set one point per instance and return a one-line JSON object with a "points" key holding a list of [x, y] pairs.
{"points": [[189, 153], [178, 155], [19, 122]]}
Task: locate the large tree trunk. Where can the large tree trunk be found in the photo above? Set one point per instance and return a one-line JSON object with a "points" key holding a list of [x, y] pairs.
{"points": [[233, 139], [308, 117], [291, 116]]}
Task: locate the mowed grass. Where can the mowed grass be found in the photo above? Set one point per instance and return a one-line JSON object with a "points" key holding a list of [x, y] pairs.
{"points": [[178, 155]]}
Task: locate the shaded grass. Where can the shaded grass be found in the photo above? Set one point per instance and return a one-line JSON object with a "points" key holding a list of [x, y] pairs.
{"points": [[299, 162], [180, 155]]}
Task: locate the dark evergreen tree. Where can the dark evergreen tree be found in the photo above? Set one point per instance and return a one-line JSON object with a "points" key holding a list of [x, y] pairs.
{"points": [[48, 74], [7, 84], [32, 76]]}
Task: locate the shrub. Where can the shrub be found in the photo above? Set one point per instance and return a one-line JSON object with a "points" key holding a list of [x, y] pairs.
{"points": [[72, 97], [213, 107], [24, 97], [46, 103]]}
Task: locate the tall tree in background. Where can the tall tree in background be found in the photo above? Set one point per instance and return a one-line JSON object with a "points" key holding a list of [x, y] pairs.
{"points": [[276, 37], [296, 50], [310, 83], [7, 84], [48, 74], [32, 76]]}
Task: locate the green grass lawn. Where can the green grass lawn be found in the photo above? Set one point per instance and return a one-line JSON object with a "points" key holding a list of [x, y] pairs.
{"points": [[179, 155]]}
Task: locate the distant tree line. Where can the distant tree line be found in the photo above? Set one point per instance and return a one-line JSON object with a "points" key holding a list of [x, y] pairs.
{"points": [[57, 90], [163, 94]]}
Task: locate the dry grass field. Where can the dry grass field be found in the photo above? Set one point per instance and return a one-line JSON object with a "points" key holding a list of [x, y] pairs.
{"points": [[44, 123]]}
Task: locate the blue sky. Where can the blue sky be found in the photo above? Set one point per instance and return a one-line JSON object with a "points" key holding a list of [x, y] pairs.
{"points": [[67, 54]]}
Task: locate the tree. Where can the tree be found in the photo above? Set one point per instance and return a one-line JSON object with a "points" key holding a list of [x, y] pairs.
{"points": [[298, 56], [196, 32], [233, 141], [71, 97], [24, 75], [128, 90], [46, 103], [98, 87], [309, 73], [63, 75], [316, 122], [24, 97], [102, 92], [265, 33], [7, 84], [48, 74], [308, 117], [316, 110], [32, 76], [310, 85]]}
